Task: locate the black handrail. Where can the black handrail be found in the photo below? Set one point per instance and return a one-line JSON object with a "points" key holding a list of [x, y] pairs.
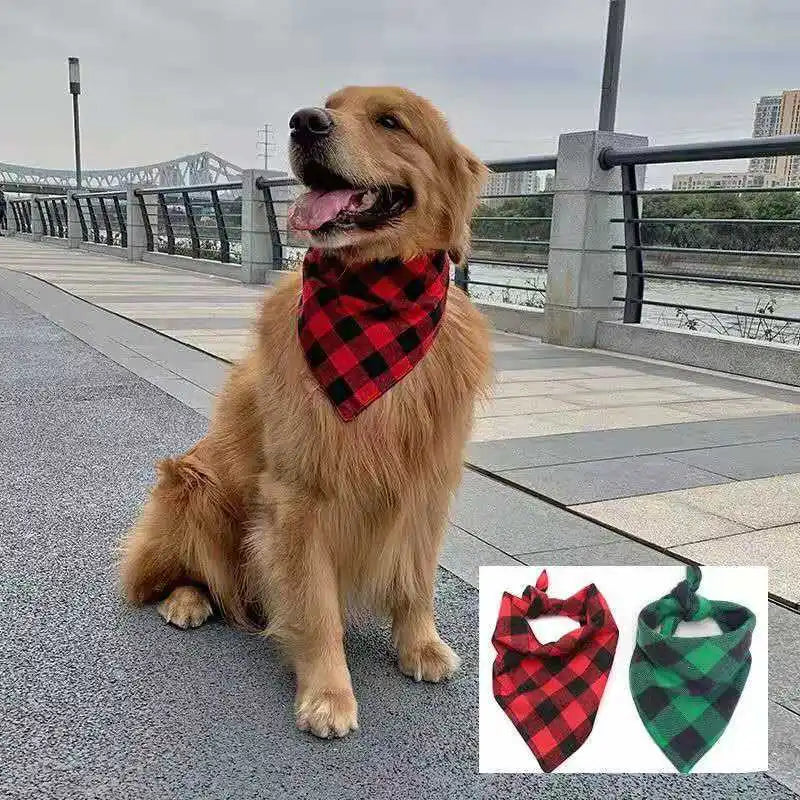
{"points": [[528, 164], [701, 151]]}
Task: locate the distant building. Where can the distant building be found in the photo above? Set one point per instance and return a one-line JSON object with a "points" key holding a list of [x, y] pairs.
{"points": [[549, 182], [766, 123], [776, 115], [724, 180], [787, 168], [504, 183]]}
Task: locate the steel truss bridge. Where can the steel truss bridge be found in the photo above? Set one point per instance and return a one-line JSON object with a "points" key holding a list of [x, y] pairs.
{"points": [[188, 170]]}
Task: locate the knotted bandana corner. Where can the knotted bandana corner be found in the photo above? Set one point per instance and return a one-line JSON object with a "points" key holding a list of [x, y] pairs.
{"points": [[551, 692], [686, 689], [364, 327]]}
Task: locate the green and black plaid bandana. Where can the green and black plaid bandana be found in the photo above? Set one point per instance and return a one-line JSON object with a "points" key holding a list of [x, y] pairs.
{"points": [[686, 689]]}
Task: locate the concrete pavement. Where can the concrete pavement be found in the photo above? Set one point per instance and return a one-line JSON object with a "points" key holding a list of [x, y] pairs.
{"points": [[700, 465], [101, 701]]}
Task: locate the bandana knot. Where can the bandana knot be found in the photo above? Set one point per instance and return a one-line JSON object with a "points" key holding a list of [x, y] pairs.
{"points": [[685, 594], [551, 691], [364, 327]]}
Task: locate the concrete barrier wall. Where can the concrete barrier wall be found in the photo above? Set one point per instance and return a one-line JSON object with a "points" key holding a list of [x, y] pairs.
{"points": [[753, 359]]}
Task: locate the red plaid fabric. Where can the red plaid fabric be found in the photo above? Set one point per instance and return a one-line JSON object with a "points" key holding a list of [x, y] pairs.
{"points": [[551, 692], [364, 328]]}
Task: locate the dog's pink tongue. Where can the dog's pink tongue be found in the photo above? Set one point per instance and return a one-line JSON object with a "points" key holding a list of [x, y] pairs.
{"points": [[313, 209]]}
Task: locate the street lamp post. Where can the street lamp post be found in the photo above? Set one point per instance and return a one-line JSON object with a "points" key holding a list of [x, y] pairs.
{"points": [[608, 96], [75, 90]]}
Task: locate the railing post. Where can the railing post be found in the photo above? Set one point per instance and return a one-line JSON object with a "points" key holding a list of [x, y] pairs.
{"points": [[137, 234], [13, 210], [581, 263], [37, 221], [634, 261], [257, 255], [74, 232]]}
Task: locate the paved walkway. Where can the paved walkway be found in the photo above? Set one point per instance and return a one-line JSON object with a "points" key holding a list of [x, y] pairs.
{"points": [[702, 465], [100, 700]]}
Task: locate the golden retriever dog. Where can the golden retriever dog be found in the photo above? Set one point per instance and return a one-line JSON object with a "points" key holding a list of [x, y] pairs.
{"points": [[284, 516]]}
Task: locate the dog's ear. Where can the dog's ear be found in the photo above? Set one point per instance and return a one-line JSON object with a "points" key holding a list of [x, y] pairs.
{"points": [[469, 175]]}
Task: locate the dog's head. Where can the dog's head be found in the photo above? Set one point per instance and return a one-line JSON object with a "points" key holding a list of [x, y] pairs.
{"points": [[386, 177]]}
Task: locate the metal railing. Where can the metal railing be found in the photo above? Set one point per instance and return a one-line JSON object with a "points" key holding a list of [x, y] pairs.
{"points": [[510, 233], [199, 221], [52, 212], [278, 194], [103, 216], [725, 260], [21, 211]]}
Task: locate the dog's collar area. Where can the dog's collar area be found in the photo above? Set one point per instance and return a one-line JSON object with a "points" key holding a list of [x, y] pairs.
{"points": [[364, 327]]}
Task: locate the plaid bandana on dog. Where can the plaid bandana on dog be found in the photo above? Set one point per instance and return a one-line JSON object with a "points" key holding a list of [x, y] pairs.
{"points": [[364, 328], [686, 689], [551, 692]]}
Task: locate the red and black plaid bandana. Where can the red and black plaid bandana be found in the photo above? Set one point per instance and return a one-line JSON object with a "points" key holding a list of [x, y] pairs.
{"points": [[551, 692], [363, 328]]}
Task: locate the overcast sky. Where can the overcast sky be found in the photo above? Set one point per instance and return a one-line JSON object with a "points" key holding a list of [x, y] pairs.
{"points": [[162, 78]]}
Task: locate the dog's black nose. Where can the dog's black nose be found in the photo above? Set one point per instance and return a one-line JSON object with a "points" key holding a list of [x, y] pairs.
{"points": [[309, 123]]}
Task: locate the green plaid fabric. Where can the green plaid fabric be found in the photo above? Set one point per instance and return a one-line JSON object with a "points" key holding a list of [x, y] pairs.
{"points": [[686, 689]]}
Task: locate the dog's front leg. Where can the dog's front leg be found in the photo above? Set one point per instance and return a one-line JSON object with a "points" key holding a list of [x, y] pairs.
{"points": [[421, 653], [325, 704], [292, 557]]}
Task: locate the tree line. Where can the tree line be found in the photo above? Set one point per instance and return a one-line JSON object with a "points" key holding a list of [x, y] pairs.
{"points": [[496, 219]]}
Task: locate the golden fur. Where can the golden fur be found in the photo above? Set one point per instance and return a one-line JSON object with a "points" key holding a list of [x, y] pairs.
{"points": [[286, 514]]}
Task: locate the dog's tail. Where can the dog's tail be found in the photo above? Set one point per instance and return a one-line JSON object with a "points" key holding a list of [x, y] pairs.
{"points": [[199, 521]]}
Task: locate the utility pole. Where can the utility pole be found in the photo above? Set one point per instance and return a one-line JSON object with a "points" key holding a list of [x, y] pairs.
{"points": [[268, 143], [608, 95]]}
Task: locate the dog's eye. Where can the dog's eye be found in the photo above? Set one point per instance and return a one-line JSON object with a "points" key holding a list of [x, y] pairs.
{"points": [[388, 121]]}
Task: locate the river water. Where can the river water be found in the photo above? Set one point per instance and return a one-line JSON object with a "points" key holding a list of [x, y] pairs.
{"points": [[786, 302]]}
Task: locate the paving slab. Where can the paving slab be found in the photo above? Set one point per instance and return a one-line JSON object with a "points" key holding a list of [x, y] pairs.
{"points": [[664, 519], [518, 406], [590, 419], [784, 657], [778, 549], [622, 553], [589, 481], [535, 451], [759, 503], [464, 554], [746, 461], [515, 522], [784, 746]]}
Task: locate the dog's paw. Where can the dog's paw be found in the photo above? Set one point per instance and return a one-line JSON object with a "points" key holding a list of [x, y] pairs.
{"points": [[432, 661], [186, 607], [327, 713]]}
